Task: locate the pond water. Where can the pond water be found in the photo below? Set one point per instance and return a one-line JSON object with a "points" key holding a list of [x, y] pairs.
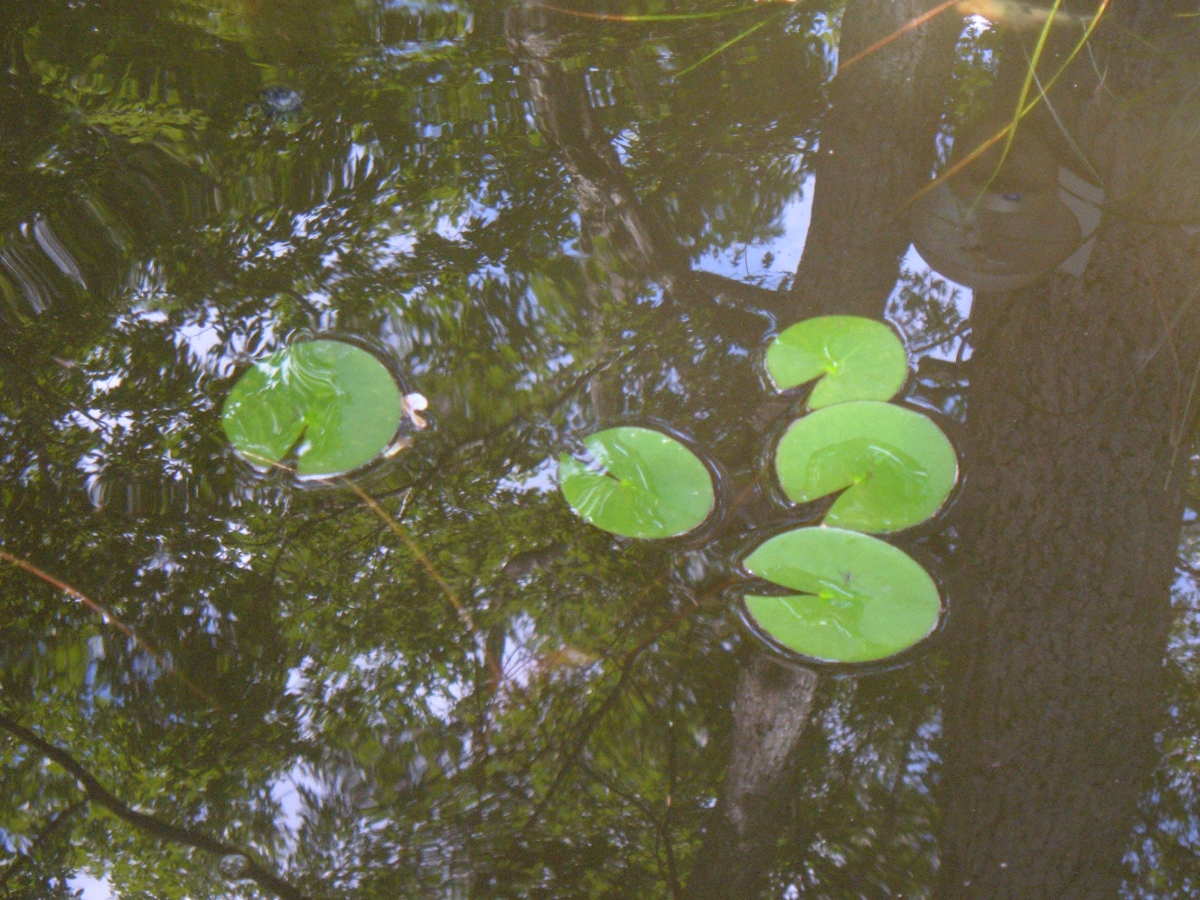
{"points": [[427, 675]]}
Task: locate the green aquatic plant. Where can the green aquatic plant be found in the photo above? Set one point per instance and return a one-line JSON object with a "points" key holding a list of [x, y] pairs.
{"points": [[332, 404], [859, 599], [638, 482], [853, 357], [894, 467]]}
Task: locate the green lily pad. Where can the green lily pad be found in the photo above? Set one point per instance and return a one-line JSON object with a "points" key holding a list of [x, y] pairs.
{"points": [[334, 403], [639, 483], [895, 467], [856, 359], [860, 599]]}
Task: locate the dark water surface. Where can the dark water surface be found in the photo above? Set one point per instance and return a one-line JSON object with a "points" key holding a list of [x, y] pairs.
{"points": [[436, 680]]}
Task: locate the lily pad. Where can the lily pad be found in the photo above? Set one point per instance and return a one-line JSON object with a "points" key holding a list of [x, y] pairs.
{"points": [[639, 483], [856, 358], [894, 467], [334, 404], [860, 598]]}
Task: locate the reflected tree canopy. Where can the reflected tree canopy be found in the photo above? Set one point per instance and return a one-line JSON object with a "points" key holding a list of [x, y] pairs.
{"points": [[433, 679]]}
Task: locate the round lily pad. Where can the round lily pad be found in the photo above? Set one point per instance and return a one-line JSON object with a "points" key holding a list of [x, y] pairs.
{"points": [[860, 598], [894, 467], [855, 358], [333, 404], [638, 482]]}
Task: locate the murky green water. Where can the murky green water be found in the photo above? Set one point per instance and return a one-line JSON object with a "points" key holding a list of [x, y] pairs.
{"points": [[432, 678]]}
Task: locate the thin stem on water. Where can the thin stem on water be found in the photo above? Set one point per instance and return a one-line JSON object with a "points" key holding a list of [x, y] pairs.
{"points": [[1020, 113], [414, 548], [725, 46], [106, 615], [915, 22], [651, 17]]}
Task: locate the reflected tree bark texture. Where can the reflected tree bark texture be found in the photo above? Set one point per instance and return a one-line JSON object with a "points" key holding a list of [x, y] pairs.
{"points": [[1069, 523], [607, 202], [1078, 412], [613, 215], [771, 708], [876, 152]]}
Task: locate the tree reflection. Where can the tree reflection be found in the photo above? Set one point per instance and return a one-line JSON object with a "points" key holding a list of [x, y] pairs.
{"points": [[550, 232]]}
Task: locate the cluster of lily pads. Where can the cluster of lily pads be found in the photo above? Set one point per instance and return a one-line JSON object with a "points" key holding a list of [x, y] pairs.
{"points": [[829, 592], [837, 594]]}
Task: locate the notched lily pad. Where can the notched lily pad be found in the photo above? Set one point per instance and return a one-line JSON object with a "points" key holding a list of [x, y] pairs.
{"points": [[859, 599], [855, 358], [894, 467], [333, 404], [639, 482]]}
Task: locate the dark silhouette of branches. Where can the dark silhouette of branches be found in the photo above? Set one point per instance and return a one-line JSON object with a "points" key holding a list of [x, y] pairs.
{"points": [[98, 793]]}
